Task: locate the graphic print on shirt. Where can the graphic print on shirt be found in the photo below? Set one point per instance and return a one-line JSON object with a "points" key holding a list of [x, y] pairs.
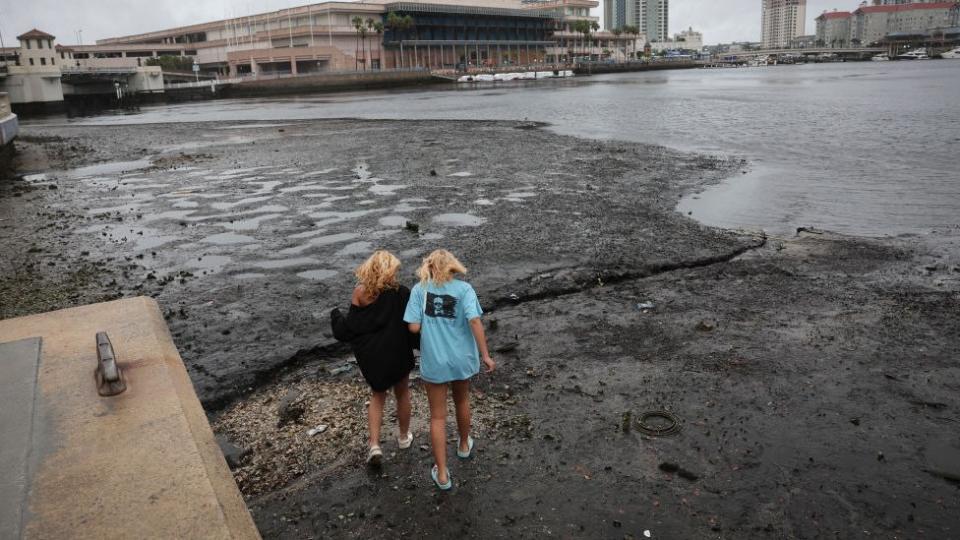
{"points": [[441, 305]]}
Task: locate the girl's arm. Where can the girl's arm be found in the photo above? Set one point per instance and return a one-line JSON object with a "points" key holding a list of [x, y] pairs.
{"points": [[476, 326]]}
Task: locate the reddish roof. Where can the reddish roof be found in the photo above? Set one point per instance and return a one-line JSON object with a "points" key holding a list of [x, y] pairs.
{"points": [[835, 15], [63, 48], [36, 34], [905, 7]]}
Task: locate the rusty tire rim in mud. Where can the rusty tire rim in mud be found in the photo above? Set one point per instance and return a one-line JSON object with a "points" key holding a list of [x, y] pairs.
{"points": [[672, 428]]}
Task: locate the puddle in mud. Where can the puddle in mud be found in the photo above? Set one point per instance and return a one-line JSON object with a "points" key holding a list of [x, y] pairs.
{"points": [[407, 207], [309, 186], [248, 275], [483, 202], [306, 234], [131, 207], [112, 168], [317, 275], [284, 263], [319, 241], [318, 173], [252, 126], [459, 220], [170, 214], [250, 224], [387, 189], [266, 187], [241, 202], [186, 204], [208, 263], [138, 187], [393, 221], [377, 235], [327, 218], [461, 174], [229, 239], [356, 248]]}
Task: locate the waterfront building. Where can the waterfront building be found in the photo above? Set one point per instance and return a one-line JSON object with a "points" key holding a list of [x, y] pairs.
{"points": [[687, 40], [874, 24], [833, 29], [651, 17], [30, 73], [338, 36], [611, 43], [619, 13], [782, 20], [803, 42], [655, 19]]}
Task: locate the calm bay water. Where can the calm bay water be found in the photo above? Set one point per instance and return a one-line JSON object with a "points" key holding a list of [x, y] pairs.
{"points": [[860, 148]]}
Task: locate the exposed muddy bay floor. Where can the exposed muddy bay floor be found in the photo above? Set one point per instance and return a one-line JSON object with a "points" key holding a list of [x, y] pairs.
{"points": [[816, 376]]}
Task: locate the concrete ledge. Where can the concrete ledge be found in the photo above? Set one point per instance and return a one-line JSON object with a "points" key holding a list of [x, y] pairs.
{"points": [[328, 83], [142, 464]]}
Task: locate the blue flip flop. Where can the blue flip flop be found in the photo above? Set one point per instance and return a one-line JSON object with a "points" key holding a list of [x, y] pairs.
{"points": [[435, 474], [469, 451]]}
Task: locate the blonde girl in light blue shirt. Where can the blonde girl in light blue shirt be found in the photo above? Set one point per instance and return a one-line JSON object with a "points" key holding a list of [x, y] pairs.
{"points": [[446, 313]]}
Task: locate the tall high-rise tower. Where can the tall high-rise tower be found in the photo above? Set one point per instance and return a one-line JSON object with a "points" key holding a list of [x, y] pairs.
{"points": [[654, 18], [782, 21], [617, 13]]}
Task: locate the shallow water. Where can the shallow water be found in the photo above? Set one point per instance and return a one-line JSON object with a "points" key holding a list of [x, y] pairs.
{"points": [[863, 148]]}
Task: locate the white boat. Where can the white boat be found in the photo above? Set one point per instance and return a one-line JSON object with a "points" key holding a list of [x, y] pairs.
{"points": [[503, 77], [953, 54], [880, 58], [916, 54]]}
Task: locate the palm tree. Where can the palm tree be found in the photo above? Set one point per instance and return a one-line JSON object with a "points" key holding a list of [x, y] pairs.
{"points": [[583, 28], [406, 23], [367, 30], [594, 26], [378, 29], [616, 34], [357, 25], [633, 31], [393, 24]]}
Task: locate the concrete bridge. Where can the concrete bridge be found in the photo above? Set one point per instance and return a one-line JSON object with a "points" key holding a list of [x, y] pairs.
{"points": [[816, 51], [107, 81]]}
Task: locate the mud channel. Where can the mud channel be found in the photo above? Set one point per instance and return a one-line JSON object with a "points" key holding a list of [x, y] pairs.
{"points": [[816, 376]]}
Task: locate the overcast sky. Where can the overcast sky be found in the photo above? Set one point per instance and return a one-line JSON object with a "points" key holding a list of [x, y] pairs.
{"points": [[719, 20]]}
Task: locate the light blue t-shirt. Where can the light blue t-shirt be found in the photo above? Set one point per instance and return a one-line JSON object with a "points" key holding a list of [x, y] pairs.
{"points": [[448, 351]]}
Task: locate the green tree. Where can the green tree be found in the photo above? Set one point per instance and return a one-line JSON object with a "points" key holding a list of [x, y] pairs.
{"points": [[616, 34], [171, 63], [393, 24], [357, 25], [378, 29]]}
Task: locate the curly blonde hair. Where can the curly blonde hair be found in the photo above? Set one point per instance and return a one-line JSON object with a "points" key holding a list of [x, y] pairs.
{"points": [[378, 273], [439, 267]]}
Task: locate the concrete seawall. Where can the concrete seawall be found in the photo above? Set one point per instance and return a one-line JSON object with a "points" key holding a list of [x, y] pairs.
{"points": [[9, 129], [596, 69], [328, 83]]}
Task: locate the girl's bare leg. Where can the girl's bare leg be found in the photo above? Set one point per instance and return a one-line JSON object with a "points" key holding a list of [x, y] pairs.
{"points": [[402, 392], [437, 396], [375, 416], [461, 401]]}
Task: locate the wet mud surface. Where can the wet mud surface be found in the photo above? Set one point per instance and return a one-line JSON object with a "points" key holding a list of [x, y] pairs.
{"points": [[816, 376]]}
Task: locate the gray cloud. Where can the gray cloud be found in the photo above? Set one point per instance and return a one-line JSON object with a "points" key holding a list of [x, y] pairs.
{"points": [[719, 20]]}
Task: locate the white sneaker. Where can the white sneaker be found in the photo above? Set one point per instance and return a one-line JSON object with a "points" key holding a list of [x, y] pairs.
{"points": [[405, 442], [375, 456]]}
